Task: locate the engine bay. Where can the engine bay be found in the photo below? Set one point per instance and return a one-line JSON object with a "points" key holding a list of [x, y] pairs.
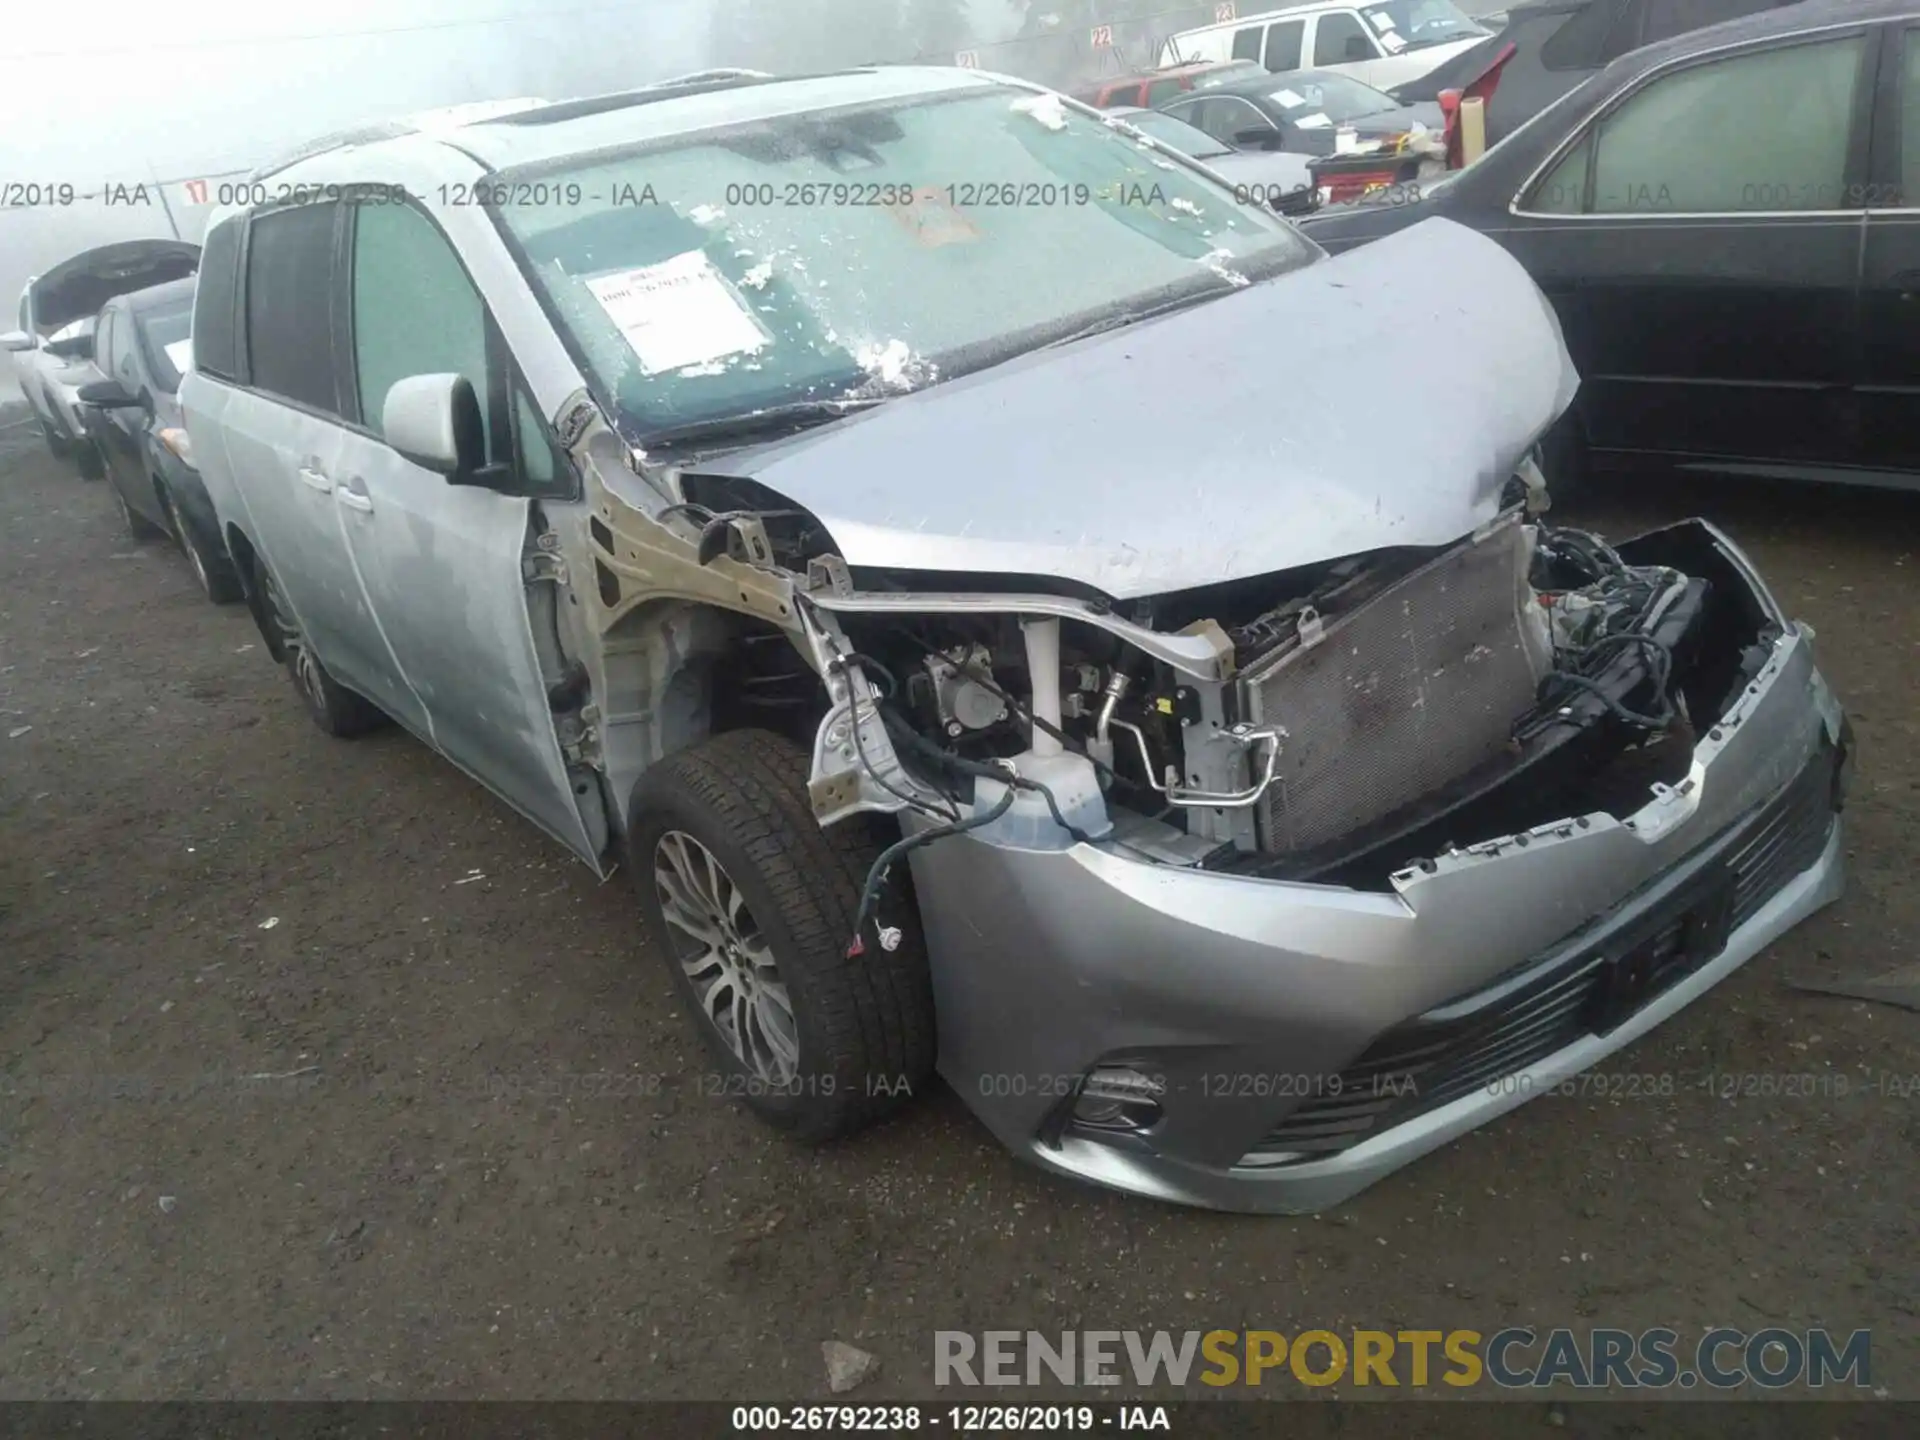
{"points": [[1362, 716]]}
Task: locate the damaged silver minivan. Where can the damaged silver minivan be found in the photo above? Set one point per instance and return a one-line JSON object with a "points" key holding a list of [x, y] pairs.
{"points": [[967, 569]]}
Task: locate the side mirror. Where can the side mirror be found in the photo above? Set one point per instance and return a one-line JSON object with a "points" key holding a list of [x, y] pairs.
{"points": [[434, 421], [107, 395], [16, 341], [1358, 48]]}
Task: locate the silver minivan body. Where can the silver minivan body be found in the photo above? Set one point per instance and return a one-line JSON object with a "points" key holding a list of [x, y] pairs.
{"points": [[551, 645]]}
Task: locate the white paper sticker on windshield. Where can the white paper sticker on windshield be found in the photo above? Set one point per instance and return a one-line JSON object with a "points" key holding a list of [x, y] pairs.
{"points": [[679, 313], [1382, 20], [1290, 98], [1317, 121], [1393, 42], [180, 355]]}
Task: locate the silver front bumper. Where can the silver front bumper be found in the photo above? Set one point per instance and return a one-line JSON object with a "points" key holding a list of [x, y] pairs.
{"points": [[1247, 997]]}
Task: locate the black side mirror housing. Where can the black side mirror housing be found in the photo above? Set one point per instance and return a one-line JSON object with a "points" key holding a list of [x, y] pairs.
{"points": [[106, 395]]}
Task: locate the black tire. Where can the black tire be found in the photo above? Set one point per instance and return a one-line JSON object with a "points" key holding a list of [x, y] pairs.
{"points": [[340, 712], [138, 526], [56, 442], [219, 582], [86, 456], [864, 1024]]}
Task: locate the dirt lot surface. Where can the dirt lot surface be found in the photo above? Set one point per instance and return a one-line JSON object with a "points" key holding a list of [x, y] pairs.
{"points": [[325, 1075]]}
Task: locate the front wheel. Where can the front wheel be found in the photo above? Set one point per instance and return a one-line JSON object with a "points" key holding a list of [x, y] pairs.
{"points": [[752, 905], [138, 526], [340, 712]]}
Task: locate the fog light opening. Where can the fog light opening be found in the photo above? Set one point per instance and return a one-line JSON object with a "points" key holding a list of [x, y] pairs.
{"points": [[1118, 1097]]}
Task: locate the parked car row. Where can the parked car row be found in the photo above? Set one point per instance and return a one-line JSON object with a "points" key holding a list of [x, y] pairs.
{"points": [[102, 345], [740, 545]]}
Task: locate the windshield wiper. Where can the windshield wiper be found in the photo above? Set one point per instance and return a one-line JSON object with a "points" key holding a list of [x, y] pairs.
{"points": [[1134, 317], [795, 415]]}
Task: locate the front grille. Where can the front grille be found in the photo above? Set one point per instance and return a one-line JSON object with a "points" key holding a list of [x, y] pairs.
{"points": [[1400, 696], [1542, 1007]]}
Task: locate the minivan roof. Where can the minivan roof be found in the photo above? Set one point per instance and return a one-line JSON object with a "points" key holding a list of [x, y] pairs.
{"points": [[637, 116]]}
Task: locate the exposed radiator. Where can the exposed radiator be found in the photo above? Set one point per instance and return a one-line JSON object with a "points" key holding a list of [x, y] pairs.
{"points": [[1401, 695]]}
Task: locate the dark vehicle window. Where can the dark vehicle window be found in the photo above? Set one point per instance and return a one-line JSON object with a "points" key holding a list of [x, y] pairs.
{"points": [[126, 361], [1226, 116], [289, 305], [1910, 125], [1246, 43], [103, 343], [1160, 91], [415, 312], [1763, 131], [26, 311], [1331, 39], [1582, 40], [213, 335], [1283, 45], [164, 335], [1663, 19]]}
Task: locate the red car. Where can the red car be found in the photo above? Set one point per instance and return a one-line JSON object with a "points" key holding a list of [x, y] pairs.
{"points": [[1152, 87]]}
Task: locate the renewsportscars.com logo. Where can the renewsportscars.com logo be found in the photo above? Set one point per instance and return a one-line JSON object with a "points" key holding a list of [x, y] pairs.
{"points": [[1514, 1358]]}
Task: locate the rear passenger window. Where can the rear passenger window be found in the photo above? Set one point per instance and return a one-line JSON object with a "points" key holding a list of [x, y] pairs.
{"points": [[213, 299], [415, 312], [289, 305], [1340, 39], [1161, 91], [1246, 43], [1283, 45]]}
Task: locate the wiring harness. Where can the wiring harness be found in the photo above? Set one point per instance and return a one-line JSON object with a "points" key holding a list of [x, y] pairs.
{"points": [[1616, 609]]}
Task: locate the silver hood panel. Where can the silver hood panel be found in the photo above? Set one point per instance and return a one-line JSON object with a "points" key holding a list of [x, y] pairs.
{"points": [[1378, 399]]}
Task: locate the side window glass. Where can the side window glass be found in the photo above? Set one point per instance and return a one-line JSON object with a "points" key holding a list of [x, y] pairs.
{"points": [[126, 368], [1246, 43], [1283, 45], [415, 312], [1910, 125], [1765, 131], [1340, 39], [289, 300], [1160, 91], [537, 463], [1562, 191]]}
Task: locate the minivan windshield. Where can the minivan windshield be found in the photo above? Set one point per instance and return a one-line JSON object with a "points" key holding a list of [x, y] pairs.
{"points": [[866, 251], [1416, 24]]}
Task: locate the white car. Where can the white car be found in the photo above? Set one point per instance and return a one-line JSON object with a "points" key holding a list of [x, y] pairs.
{"points": [[1384, 43], [54, 344]]}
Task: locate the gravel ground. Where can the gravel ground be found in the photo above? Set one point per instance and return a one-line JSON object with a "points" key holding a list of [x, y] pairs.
{"points": [[300, 1043]]}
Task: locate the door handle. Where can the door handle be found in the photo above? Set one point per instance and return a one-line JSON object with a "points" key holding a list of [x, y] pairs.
{"points": [[353, 494], [313, 476]]}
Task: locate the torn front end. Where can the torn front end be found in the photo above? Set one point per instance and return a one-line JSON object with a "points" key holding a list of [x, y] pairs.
{"points": [[1246, 895]]}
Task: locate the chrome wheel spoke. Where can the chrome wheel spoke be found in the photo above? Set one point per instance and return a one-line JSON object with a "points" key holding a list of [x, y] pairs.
{"points": [[735, 978]]}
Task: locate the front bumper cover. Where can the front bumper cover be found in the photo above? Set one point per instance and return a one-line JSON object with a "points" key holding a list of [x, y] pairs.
{"points": [[1250, 1000]]}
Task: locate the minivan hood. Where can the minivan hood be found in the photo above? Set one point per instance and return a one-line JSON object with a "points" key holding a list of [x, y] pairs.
{"points": [[1379, 399], [78, 287]]}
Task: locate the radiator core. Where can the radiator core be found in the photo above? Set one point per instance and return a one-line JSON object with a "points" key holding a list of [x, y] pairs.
{"points": [[1403, 694]]}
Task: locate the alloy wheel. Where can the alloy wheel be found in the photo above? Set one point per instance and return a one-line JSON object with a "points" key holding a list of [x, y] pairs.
{"points": [[722, 951], [179, 529], [301, 660]]}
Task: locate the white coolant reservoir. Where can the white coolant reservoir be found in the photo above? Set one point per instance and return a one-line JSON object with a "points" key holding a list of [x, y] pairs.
{"points": [[1029, 823]]}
